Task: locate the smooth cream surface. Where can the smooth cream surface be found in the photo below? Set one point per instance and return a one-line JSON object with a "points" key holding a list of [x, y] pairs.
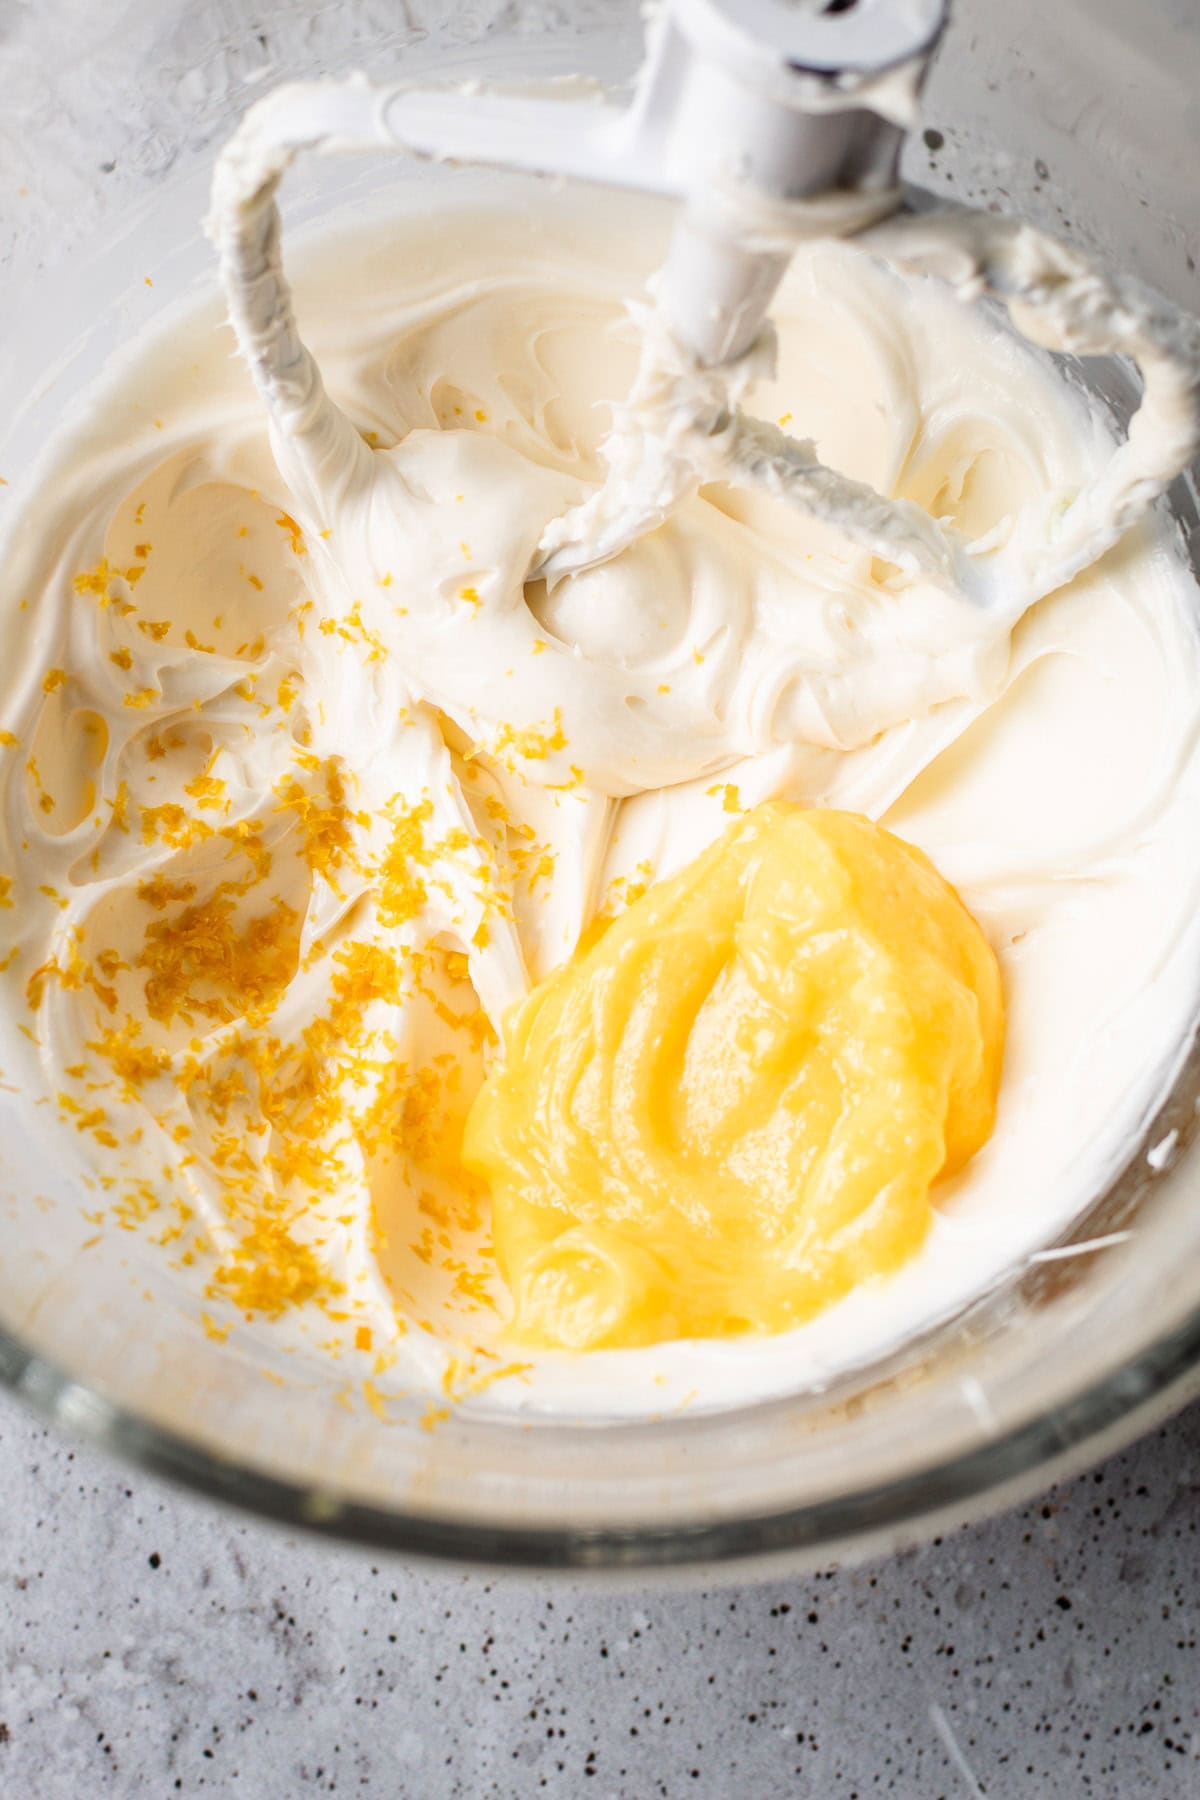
{"points": [[385, 785]]}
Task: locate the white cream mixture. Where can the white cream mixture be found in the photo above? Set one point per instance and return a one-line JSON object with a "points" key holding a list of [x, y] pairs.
{"points": [[301, 754]]}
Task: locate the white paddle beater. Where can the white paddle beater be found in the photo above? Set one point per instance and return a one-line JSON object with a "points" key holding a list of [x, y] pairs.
{"points": [[769, 122]]}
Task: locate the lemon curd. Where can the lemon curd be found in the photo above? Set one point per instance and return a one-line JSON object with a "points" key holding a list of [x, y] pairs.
{"points": [[731, 1109]]}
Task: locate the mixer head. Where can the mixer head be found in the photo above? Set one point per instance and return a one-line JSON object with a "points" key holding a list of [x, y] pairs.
{"points": [[746, 108]]}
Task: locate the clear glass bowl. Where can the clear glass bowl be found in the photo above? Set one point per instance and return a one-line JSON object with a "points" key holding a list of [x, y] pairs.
{"points": [[1075, 115]]}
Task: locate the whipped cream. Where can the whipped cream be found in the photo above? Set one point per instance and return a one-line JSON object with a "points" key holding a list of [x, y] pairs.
{"points": [[297, 741]]}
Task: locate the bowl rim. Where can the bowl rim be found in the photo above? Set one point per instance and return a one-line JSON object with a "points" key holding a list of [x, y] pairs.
{"points": [[1099, 1417]]}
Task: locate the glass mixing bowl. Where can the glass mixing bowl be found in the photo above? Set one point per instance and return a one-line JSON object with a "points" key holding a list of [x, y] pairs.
{"points": [[1075, 115]]}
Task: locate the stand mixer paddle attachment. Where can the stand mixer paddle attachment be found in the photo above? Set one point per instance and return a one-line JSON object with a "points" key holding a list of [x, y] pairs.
{"points": [[770, 124]]}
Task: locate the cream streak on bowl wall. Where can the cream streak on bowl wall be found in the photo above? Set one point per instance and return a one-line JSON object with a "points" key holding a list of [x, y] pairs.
{"points": [[282, 847]]}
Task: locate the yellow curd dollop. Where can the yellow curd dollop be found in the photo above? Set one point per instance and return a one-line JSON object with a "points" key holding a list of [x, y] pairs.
{"points": [[729, 1111]]}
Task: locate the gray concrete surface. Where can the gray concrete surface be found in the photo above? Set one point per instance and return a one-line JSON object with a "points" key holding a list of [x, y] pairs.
{"points": [[152, 1646]]}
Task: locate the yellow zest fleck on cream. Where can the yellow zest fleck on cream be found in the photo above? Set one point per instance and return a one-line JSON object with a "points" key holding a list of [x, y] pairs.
{"points": [[133, 1062], [325, 818], [533, 743], [171, 823], [286, 523], [202, 961], [575, 780], [209, 791], [94, 581], [402, 890], [160, 891], [352, 630], [269, 1271], [731, 800], [119, 806], [74, 973], [45, 800]]}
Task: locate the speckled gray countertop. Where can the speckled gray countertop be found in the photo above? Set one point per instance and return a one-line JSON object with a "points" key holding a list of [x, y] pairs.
{"points": [[153, 1646]]}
